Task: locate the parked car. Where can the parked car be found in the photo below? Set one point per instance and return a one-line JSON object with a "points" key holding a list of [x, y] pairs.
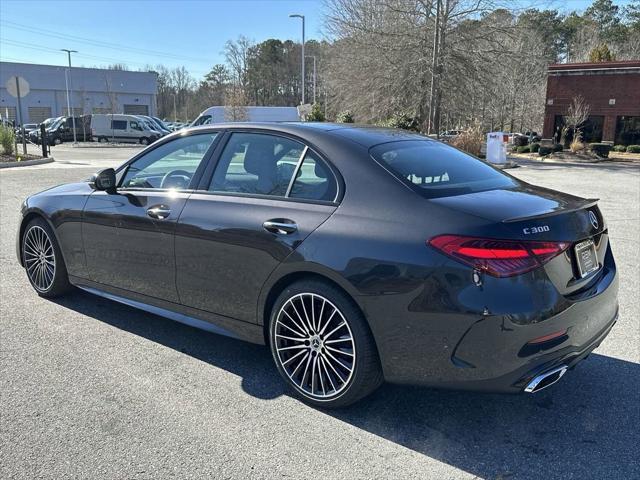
{"points": [[34, 135], [60, 130], [158, 125], [356, 254], [151, 125], [122, 128], [449, 135], [28, 128]]}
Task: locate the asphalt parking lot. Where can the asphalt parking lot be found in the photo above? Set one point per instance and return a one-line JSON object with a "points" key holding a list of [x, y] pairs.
{"points": [[93, 389]]}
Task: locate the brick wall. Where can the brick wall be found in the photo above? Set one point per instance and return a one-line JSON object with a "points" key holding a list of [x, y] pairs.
{"points": [[598, 84]]}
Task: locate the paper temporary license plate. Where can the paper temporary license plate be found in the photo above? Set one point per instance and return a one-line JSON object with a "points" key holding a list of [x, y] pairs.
{"points": [[586, 257]]}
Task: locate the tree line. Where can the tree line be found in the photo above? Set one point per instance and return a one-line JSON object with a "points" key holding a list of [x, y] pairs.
{"points": [[443, 64]]}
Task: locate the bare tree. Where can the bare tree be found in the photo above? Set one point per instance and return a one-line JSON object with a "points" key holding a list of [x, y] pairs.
{"points": [[235, 109], [577, 114]]}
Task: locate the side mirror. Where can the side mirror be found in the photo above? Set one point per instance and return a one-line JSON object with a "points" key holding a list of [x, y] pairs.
{"points": [[105, 179]]}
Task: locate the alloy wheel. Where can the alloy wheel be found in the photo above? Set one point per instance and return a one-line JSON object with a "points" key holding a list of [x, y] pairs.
{"points": [[39, 258], [314, 346]]}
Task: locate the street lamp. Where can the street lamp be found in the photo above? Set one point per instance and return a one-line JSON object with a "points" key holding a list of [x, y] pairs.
{"points": [[296, 15], [68, 84], [314, 76]]}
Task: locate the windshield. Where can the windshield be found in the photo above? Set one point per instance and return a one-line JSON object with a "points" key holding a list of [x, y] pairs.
{"points": [[202, 120], [56, 123], [438, 170]]}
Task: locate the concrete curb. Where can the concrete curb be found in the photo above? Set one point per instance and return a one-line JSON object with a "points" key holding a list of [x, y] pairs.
{"points": [[26, 163]]}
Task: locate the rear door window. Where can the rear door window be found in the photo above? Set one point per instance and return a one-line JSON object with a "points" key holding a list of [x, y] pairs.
{"points": [[256, 164], [315, 180], [438, 170]]}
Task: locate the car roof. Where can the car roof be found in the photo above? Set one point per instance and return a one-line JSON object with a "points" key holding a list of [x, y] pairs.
{"points": [[365, 135]]}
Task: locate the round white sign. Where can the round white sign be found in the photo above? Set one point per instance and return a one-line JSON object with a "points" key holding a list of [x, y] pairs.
{"points": [[12, 88]]}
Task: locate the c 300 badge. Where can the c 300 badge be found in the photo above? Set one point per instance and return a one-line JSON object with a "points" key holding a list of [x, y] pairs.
{"points": [[532, 230]]}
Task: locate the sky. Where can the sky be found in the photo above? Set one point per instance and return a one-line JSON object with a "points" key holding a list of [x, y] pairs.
{"points": [[169, 32]]}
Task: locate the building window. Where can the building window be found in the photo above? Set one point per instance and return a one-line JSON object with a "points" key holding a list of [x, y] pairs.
{"points": [[591, 129], [136, 109], [628, 130]]}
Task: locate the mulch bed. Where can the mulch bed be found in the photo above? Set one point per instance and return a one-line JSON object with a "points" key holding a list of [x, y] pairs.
{"points": [[12, 158]]}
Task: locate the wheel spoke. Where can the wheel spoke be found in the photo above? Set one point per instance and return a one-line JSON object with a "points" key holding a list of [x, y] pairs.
{"points": [[296, 355], [304, 310], [324, 365], [338, 362], [298, 315], [291, 329], [342, 324], [339, 351], [337, 340], [293, 374], [293, 339], [328, 322], [306, 369], [295, 347], [324, 302]]}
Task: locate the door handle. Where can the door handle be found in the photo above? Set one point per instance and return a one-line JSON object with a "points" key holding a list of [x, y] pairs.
{"points": [[280, 226], [159, 211]]}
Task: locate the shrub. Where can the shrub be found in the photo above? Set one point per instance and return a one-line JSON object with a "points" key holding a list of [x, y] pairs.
{"points": [[345, 117], [316, 114], [470, 141], [619, 148], [633, 149], [7, 139], [542, 151], [557, 147], [523, 149], [600, 149], [520, 141], [403, 121], [576, 145], [534, 147]]}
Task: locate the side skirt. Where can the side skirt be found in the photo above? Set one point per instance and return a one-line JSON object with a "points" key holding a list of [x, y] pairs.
{"points": [[200, 319]]}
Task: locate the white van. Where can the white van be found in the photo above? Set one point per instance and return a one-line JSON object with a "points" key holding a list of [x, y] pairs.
{"points": [[122, 128], [250, 114]]}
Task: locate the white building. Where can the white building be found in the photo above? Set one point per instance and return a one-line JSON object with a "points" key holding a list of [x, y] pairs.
{"points": [[94, 90]]}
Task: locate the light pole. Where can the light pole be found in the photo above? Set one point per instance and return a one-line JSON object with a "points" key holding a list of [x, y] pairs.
{"points": [[69, 87], [314, 76], [296, 15]]}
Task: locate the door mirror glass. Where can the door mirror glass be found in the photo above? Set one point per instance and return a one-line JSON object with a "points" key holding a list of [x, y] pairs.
{"points": [[105, 179]]}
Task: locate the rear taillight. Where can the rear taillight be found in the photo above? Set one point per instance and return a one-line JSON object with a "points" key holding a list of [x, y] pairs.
{"points": [[500, 258]]}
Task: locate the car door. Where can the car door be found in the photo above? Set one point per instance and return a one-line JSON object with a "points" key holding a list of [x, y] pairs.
{"points": [[246, 218], [128, 234]]}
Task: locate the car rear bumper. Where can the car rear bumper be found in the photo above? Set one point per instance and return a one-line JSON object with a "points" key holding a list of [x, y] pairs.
{"points": [[471, 351]]}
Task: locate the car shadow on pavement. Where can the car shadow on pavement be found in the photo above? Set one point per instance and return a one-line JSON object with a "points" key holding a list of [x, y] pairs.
{"points": [[586, 426]]}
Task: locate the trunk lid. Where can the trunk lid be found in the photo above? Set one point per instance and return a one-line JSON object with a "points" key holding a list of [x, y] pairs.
{"points": [[532, 213]]}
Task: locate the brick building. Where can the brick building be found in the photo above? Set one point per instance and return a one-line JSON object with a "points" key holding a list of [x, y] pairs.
{"points": [[612, 91]]}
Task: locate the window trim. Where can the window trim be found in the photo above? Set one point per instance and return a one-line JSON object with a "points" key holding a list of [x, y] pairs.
{"points": [[207, 177], [121, 171]]}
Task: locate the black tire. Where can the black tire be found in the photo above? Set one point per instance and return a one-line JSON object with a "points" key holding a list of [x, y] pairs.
{"points": [[366, 374], [59, 284], [144, 141]]}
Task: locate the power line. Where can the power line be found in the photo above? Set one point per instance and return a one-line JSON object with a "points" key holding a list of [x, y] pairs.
{"points": [[65, 36], [32, 46]]}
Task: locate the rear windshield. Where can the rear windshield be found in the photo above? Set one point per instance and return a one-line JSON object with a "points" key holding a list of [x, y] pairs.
{"points": [[437, 170]]}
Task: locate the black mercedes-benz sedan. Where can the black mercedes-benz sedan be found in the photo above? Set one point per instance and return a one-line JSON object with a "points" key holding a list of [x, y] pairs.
{"points": [[357, 254]]}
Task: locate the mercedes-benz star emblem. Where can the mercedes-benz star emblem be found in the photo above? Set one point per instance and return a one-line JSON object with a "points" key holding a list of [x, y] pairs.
{"points": [[594, 220]]}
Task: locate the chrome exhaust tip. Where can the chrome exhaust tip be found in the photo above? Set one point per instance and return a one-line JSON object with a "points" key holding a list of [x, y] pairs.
{"points": [[546, 379]]}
